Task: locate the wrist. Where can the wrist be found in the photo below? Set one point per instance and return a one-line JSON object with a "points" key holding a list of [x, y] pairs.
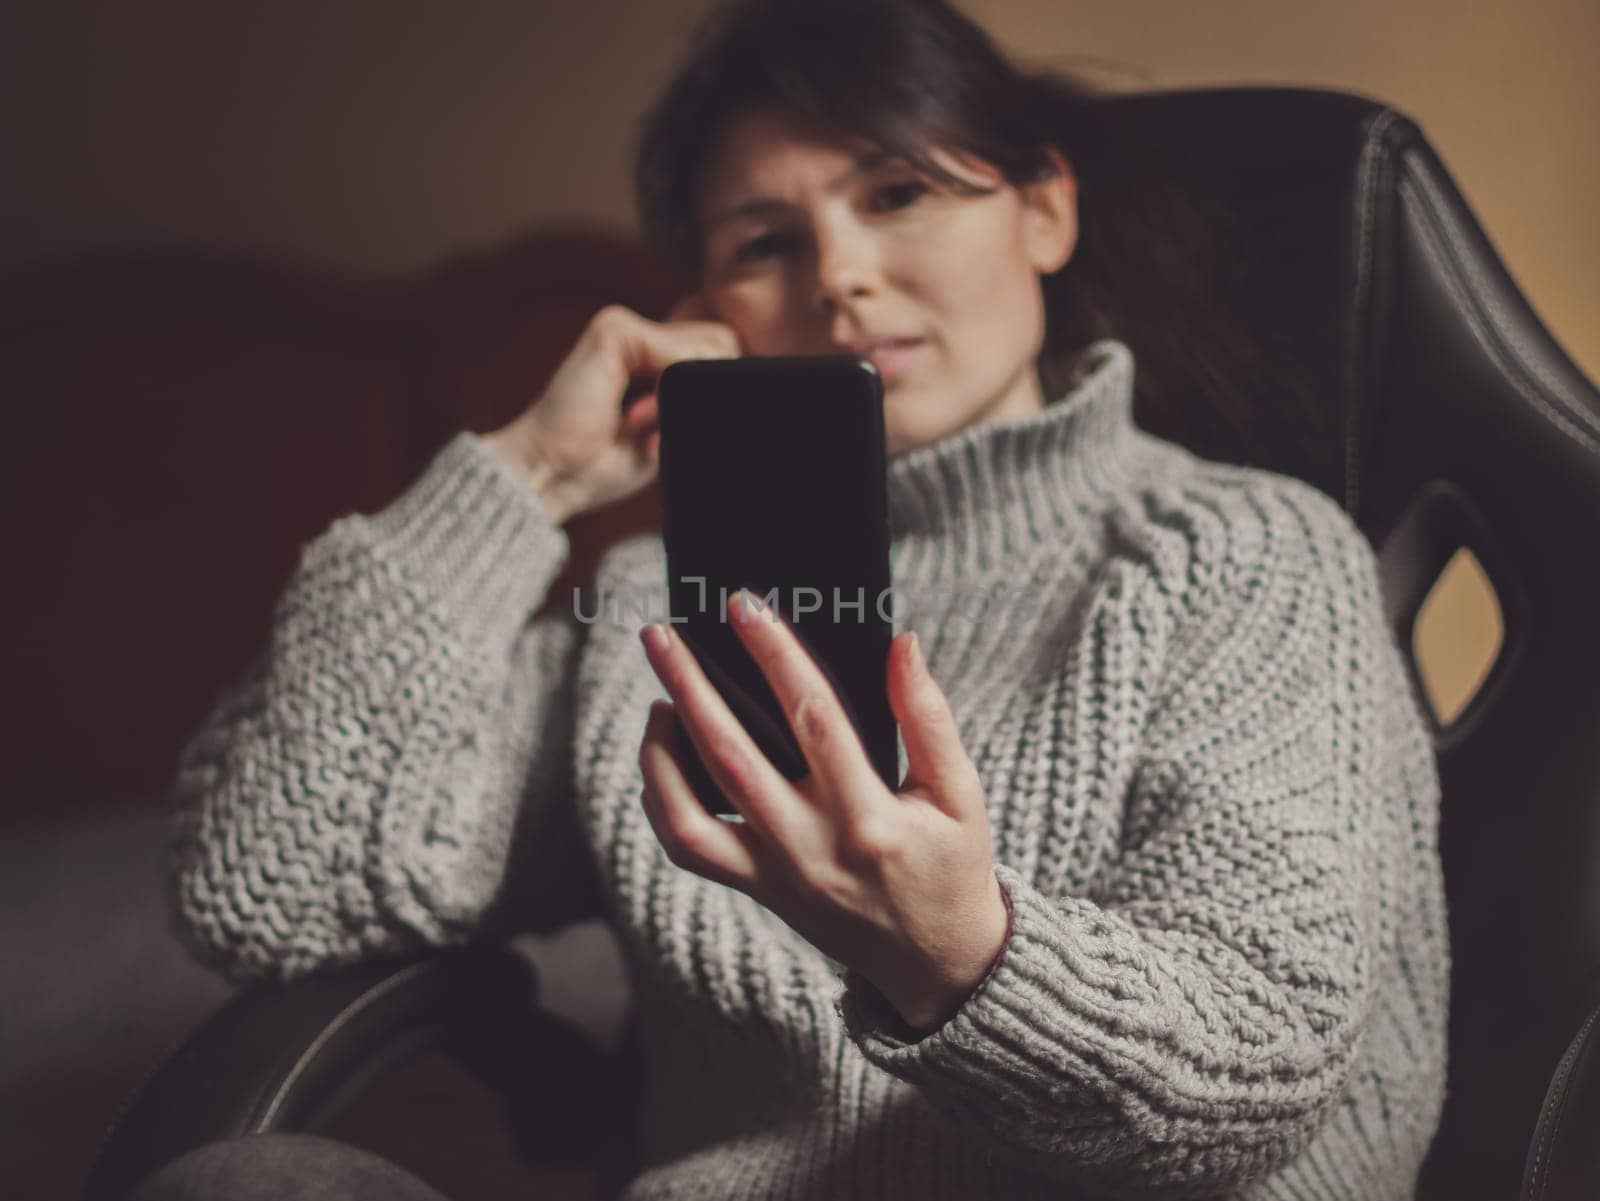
{"points": [[926, 1006], [536, 469]]}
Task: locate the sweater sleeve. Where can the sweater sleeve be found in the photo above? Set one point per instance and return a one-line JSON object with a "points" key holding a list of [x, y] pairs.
{"points": [[1186, 1027], [404, 733]]}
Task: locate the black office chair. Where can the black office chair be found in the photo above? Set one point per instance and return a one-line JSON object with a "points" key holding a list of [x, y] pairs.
{"points": [[1448, 418]]}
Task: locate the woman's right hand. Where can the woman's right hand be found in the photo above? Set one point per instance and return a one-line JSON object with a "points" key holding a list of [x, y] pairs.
{"points": [[575, 445]]}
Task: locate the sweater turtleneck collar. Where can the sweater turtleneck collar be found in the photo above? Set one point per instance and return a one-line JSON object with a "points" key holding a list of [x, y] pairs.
{"points": [[1000, 485]]}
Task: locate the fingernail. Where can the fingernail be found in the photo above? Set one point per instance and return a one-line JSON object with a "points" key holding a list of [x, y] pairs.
{"points": [[916, 653], [654, 637], [751, 605]]}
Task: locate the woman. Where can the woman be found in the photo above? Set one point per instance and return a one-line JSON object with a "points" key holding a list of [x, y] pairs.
{"points": [[1157, 909]]}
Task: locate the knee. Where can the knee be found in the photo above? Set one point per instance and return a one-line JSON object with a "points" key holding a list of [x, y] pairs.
{"points": [[276, 1167]]}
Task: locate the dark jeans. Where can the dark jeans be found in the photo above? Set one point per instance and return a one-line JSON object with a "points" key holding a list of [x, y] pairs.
{"points": [[283, 1167]]}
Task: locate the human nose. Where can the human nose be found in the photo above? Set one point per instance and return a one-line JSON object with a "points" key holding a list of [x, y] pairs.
{"points": [[846, 267]]}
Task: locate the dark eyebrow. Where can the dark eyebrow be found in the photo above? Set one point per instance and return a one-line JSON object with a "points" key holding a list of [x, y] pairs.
{"points": [[761, 206]]}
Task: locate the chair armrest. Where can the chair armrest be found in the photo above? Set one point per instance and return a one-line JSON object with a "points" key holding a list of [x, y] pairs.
{"points": [[1564, 1157], [286, 1057]]}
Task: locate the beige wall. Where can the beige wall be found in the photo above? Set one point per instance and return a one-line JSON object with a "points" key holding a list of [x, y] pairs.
{"points": [[385, 134]]}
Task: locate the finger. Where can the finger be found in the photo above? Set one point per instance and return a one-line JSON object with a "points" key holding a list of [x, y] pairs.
{"points": [[937, 765], [646, 348], [692, 838], [711, 340], [642, 415], [636, 351], [827, 737], [736, 764]]}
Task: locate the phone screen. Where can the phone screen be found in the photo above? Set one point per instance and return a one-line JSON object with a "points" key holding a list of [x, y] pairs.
{"points": [[772, 479]]}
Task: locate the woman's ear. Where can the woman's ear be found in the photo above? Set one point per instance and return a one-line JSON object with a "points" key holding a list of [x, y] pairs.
{"points": [[1050, 215]]}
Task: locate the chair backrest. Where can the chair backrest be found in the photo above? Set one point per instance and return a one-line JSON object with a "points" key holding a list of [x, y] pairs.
{"points": [[1452, 419]]}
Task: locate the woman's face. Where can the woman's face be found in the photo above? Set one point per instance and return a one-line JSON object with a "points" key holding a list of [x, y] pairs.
{"points": [[813, 247]]}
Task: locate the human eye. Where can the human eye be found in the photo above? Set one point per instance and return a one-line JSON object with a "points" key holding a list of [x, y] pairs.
{"points": [[756, 248], [898, 195]]}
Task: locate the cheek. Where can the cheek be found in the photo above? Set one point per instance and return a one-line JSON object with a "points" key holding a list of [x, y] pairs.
{"points": [[754, 312], [978, 278], [989, 320]]}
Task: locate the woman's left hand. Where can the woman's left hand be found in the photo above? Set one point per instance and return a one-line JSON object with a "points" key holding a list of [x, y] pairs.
{"points": [[899, 886]]}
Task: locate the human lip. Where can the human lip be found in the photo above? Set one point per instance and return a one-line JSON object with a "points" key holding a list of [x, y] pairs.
{"points": [[890, 354], [866, 344]]}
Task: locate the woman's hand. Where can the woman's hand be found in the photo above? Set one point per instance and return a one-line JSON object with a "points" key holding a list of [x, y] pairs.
{"points": [[575, 445], [899, 886]]}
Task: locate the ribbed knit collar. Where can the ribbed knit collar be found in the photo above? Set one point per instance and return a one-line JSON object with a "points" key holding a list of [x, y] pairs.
{"points": [[998, 485]]}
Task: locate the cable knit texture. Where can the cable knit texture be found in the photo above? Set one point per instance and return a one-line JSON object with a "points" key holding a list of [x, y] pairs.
{"points": [[1212, 799]]}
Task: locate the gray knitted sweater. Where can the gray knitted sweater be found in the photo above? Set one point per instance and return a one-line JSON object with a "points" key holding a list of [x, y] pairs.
{"points": [[1211, 793]]}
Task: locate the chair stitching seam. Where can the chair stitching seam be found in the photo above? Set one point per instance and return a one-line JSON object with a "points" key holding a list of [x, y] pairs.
{"points": [[1503, 325], [1433, 250], [1370, 149], [1549, 1135], [342, 1019]]}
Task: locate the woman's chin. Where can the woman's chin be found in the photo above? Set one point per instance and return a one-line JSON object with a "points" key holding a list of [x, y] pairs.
{"points": [[898, 441], [900, 434], [897, 444]]}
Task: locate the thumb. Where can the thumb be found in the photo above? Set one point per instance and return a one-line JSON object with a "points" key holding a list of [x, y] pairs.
{"points": [[936, 762]]}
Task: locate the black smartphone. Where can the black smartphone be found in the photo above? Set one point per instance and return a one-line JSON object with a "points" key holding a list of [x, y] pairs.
{"points": [[772, 477]]}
